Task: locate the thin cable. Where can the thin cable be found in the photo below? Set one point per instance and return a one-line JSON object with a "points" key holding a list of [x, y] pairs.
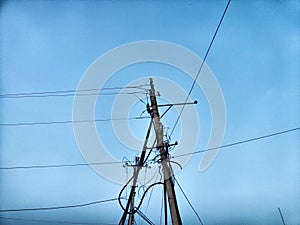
{"points": [[73, 94], [70, 121], [240, 142], [51, 221], [58, 207], [142, 199], [189, 202], [161, 208], [73, 91], [141, 100], [151, 192], [57, 165], [200, 68], [176, 156]]}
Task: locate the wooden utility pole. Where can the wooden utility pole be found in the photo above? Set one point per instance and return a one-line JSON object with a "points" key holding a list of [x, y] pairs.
{"points": [[130, 202], [169, 191], [131, 215], [139, 163], [168, 182]]}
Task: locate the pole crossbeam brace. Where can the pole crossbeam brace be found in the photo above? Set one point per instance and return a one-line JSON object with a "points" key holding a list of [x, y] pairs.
{"points": [[167, 171]]}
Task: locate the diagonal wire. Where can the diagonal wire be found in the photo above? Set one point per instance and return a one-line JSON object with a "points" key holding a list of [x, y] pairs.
{"points": [[70, 121], [241, 142], [73, 94], [151, 192], [162, 206], [58, 207], [200, 68], [141, 100], [189, 202], [176, 156], [51, 221], [59, 165], [72, 91]]}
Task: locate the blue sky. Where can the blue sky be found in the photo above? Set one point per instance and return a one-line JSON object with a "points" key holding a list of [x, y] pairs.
{"points": [[48, 45]]}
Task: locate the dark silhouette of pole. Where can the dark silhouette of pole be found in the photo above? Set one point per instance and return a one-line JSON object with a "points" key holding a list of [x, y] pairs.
{"points": [[139, 163], [168, 182]]}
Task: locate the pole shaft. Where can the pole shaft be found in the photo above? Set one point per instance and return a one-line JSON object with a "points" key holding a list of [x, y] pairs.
{"points": [[169, 184], [139, 164], [131, 215], [165, 204]]}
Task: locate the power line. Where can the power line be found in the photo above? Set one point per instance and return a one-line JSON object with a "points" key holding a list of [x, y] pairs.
{"points": [[161, 207], [71, 121], [202, 64], [70, 91], [176, 156], [58, 207], [194, 210], [240, 142], [51, 221], [73, 94], [150, 196], [58, 165]]}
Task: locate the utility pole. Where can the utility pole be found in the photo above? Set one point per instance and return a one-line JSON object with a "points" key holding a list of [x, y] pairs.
{"points": [[139, 163], [162, 146], [130, 203], [131, 215], [168, 182]]}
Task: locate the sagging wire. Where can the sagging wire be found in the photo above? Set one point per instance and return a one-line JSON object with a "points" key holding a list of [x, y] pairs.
{"points": [[148, 203], [175, 163], [124, 187], [141, 201], [159, 171]]}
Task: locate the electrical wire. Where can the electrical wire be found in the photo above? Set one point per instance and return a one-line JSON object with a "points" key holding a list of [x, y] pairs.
{"points": [[151, 192], [141, 100], [161, 207], [70, 121], [70, 92], [120, 193], [189, 202], [142, 199], [58, 207], [51, 221], [240, 142], [176, 156], [202, 64], [73, 94], [58, 165]]}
